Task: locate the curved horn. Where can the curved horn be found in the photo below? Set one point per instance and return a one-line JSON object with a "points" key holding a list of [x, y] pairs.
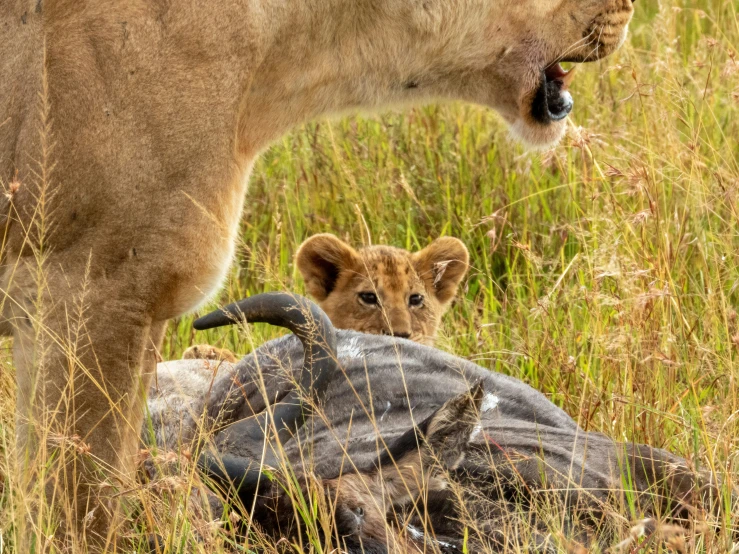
{"points": [[304, 318], [315, 331]]}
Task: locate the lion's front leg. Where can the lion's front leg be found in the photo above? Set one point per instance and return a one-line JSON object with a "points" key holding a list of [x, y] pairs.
{"points": [[85, 351]]}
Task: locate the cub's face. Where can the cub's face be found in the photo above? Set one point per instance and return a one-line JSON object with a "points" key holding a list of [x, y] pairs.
{"points": [[381, 289]]}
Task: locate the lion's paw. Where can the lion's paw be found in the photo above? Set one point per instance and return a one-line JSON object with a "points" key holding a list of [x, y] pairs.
{"points": [[208, 352]]}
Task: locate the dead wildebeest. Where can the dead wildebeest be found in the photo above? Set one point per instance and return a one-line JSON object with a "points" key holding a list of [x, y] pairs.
{"points": [[415, 462], [376, 402]]}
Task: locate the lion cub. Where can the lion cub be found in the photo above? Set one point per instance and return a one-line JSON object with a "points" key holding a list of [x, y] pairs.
{"points": [[380, 290]]}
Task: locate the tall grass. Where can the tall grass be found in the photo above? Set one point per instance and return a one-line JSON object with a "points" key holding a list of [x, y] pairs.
{"points": [[605, 272]]}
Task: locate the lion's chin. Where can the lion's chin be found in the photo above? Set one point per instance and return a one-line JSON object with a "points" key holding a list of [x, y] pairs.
{"points": [[536, 136]]}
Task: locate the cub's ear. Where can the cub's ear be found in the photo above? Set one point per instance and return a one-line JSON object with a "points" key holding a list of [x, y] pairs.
{"points": [[320, 259], [443, 264], [448, 431]]}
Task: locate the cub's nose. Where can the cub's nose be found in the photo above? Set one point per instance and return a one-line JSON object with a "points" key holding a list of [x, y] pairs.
{"points": [[401, 334]]}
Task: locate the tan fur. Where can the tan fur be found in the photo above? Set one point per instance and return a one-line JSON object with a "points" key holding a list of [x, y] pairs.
{"points": [[127, 132], [208, 352], [338, 276]]}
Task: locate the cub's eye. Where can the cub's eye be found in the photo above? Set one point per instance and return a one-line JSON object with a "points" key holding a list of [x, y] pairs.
{"points": [[368, 298], [415, 300], [359, 511]]}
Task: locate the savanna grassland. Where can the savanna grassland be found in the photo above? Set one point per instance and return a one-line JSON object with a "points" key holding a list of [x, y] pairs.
{"points": [[604, 272]]}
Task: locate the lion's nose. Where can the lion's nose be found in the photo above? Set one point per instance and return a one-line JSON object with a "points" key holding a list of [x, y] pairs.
{"points": [[401, 334]]}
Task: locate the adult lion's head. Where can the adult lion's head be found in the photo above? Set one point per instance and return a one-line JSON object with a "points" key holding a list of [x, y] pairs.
{"points": [[504, 54]]}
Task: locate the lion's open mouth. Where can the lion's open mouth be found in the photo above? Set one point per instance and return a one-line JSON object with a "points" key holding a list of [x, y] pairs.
{"points": [[552, 101]]}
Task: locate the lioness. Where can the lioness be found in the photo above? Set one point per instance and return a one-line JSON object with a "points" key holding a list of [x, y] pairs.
{"points": [[127, 133], [380, 290]]}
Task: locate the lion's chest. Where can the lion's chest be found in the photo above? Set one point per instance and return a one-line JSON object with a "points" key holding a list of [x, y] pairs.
{"points": [[199, 252]]}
